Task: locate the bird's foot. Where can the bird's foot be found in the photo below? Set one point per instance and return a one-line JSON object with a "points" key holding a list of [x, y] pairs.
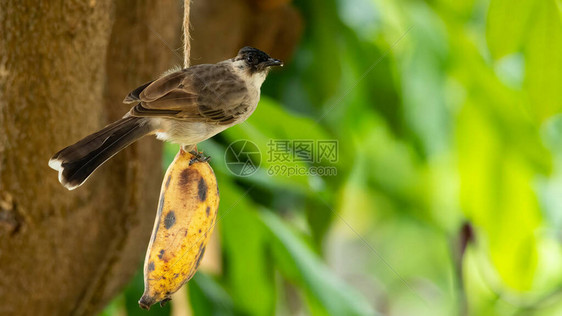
{"points": [[164, 301], [199, 157]]}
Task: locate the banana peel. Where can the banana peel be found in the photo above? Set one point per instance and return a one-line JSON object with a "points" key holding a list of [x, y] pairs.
{"points": [[187, 210]]}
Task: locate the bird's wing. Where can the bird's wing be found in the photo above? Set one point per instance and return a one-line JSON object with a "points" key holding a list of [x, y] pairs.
{"points": [[203, 93], [134, 96]]}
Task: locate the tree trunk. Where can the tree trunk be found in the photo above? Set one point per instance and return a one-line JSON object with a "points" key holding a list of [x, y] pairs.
{"points": [[65, 66]]}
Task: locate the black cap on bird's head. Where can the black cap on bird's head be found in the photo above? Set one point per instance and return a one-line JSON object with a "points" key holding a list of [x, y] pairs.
{"points": [[256, 59]]}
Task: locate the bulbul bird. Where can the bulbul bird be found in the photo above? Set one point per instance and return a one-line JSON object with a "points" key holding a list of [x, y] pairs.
{"points": [[184, 107]]}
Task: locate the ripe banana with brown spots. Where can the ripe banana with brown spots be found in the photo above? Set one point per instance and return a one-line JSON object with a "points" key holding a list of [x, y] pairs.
{"points": [[189, 200]]}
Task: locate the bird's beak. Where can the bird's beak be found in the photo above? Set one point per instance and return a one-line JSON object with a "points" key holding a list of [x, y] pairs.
{"points": [[272, 62]]}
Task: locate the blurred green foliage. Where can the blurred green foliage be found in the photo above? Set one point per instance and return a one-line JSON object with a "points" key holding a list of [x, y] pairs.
{"points": [[445, 112]]}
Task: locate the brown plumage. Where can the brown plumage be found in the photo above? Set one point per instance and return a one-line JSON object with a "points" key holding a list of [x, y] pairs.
{"points": [[185, 107], [204, 93]]}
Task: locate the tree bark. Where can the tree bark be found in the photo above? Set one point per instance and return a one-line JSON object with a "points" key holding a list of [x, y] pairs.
{"points": [[65, 66]]}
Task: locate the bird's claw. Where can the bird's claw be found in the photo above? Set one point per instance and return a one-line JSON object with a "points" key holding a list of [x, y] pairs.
{"points": [[164, 301], [198, 157]]}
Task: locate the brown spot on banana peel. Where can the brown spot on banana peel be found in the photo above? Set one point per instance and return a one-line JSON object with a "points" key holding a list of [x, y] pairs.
{"points": [[184, 177], [200, 255], [151, 266], [187, 176], [161, 253], [202, 189], [170, 219], [168, 181]]}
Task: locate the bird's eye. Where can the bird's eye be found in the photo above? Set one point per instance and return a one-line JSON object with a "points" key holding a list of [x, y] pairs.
{"points": [[249, 59]]}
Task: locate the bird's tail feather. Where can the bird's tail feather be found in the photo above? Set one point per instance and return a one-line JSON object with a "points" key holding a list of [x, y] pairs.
{"points": [[76, 163]]}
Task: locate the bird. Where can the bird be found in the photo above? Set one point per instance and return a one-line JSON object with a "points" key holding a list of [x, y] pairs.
{"points": [[185, 107]]}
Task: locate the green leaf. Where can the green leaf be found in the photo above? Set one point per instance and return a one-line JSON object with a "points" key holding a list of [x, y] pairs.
{"points": [[507, 25], [325, 293], [319, 218], [243, 238], [423, 81], [207, 297], [544, 61], [116, 307], [497, 194]]}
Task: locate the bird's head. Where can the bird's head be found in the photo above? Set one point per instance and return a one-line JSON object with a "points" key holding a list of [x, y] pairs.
{"points": [[256, 61]]}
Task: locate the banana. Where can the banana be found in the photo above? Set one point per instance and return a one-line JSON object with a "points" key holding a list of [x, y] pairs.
{"points": [[189, 200]]}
